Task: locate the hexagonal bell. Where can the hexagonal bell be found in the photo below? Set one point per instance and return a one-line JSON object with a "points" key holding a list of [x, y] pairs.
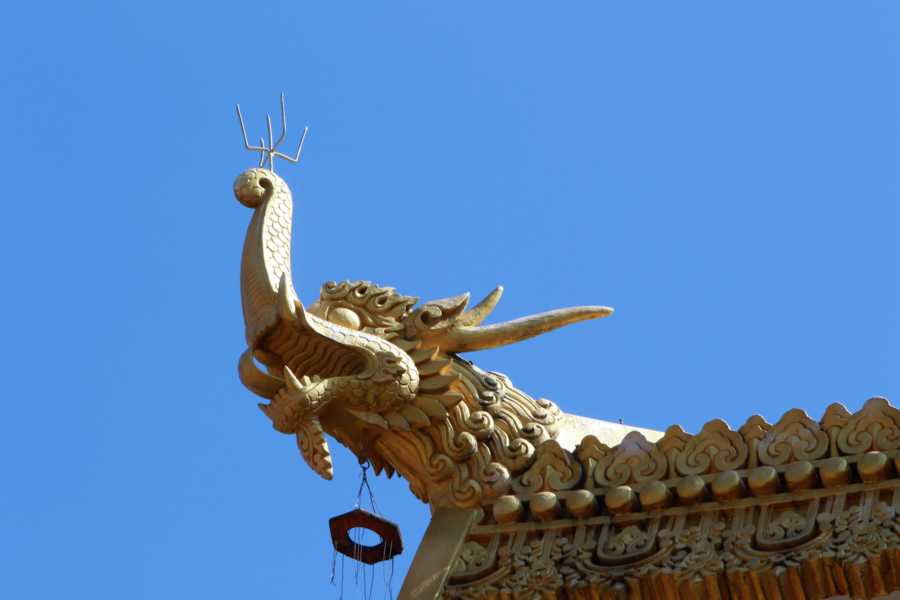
{"points": [[390, 546]]}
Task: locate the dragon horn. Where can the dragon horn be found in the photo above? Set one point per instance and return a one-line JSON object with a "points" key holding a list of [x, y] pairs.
{"points": [[468, 339], [291, 380], [480, 311]]}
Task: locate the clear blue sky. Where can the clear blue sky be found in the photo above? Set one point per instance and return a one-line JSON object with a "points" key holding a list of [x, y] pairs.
{"points": [[726, 177]]}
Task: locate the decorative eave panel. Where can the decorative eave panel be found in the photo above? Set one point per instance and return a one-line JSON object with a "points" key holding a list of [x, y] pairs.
{"points": [[799, 509]]}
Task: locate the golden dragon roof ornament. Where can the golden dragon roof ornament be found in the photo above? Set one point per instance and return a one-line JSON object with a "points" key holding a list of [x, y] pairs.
{"points": [[533, 503]]}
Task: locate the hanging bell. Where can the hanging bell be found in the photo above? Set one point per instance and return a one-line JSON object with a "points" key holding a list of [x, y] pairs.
{"points": [[390, 546]]}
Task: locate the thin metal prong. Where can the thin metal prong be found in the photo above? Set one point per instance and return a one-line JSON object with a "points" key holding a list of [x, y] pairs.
{"points": [[270, 152], [283, 124], [295, 159], [244, 130], [271, 148]]}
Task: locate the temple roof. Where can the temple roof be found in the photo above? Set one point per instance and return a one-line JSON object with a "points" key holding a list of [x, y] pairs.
{"points": [[533, 503]]}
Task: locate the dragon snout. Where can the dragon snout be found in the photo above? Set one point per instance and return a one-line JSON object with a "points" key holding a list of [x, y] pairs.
{"points": [[254, 186]]}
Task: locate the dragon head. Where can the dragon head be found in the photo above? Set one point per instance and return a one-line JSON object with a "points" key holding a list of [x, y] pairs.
{"points": [[363, 360]]}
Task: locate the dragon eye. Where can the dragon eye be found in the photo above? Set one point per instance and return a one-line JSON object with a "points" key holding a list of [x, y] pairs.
{"points": [[344, 317]]}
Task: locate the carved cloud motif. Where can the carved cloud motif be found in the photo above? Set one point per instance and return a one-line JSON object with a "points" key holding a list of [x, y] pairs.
{"points": [[795, 437], [715, 448], [635, 460], [554, 469], [875, 427]]}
